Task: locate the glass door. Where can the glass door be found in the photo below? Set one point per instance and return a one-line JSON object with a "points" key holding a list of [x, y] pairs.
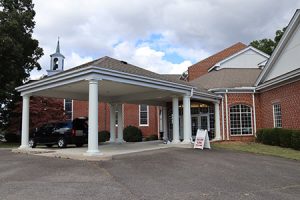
{"points": [[204, 122], [195, 125]]}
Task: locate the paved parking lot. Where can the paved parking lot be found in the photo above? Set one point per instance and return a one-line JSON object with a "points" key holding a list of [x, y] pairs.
{"points": [[161, 174]]}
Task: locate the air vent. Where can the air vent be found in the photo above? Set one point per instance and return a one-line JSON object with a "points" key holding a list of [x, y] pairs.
{"points": [[124, 62]]}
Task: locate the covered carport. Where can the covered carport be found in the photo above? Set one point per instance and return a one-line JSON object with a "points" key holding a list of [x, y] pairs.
{"points": [[116, 82]]}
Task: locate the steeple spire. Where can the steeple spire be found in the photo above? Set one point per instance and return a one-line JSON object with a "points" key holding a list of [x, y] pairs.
{"points": [[57, 47]]}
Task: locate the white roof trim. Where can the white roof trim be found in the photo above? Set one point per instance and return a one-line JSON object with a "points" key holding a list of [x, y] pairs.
{"points": [[290, 76], [237, 54], [277, 51], [106, 74]]}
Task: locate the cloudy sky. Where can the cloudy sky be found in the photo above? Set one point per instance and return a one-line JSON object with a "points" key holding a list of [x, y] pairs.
{"points": [[165, 36]]}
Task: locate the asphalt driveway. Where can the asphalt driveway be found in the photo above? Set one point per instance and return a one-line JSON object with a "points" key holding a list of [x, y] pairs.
{"points": [[162, 174]]}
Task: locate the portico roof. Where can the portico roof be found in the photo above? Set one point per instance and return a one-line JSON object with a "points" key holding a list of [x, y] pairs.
{"points": [[120, 82]]}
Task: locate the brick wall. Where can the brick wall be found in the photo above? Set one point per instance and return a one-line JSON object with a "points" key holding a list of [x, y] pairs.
{"points": [[131, 116], [233, 99], [289, 98]]}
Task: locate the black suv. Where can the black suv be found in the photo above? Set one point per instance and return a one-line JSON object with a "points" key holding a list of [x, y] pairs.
{"points": [[61, 133]]}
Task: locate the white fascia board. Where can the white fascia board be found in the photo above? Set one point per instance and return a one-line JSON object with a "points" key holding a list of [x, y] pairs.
{"points": [[233, 90], [276, 82], [98, 73], [237, 54], [276, 53]]}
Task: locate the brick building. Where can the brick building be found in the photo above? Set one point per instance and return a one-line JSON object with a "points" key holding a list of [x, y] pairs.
{"points": [[231, 94]]}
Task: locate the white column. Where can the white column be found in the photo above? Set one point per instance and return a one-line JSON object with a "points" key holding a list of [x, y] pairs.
{"points": [[112, 120], [187, 125], [120, 123], [165, 122], [25, 122], [217, 122], [175, 110], [93, 118]]}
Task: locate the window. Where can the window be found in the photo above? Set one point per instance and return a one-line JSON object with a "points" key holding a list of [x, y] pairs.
{"points": [[277, 115], [240, 120], [68, 105], [144, 116]]}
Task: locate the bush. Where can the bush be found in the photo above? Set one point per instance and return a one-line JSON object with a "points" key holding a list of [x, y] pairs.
{"points": [[285, 138], [279, 137], [132, 134], [103, 136], [12, 138], [151, 137], [259, 135], [267, 136], [295, 140]]}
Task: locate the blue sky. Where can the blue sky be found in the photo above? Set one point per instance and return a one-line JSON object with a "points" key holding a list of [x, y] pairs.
{"points": [[163, 36]]}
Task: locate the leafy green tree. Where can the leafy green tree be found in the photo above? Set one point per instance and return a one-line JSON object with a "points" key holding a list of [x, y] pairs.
{"points": [[19, 52], [268, 45]]}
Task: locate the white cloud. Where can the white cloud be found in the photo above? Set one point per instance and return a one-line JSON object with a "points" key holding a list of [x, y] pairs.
{"points": [[148, 58], [75, 59], [192, 29]]}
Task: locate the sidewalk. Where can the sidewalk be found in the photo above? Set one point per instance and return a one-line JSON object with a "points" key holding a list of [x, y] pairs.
{"points": [[107, 149]]}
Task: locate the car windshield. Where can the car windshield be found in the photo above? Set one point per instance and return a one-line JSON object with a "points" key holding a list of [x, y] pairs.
{"points": [[63, 125]]}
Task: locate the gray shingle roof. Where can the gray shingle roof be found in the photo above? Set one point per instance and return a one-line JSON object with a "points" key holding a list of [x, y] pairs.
{"points": [[122, 66], [227, 78]]}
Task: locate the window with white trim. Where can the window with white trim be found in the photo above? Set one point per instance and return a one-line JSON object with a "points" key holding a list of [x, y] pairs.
{"points": [[143, 115], [241, 120], [68, 106], [277, 115]]}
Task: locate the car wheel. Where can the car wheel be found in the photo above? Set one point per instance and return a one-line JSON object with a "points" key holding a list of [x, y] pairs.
{"points": [[61, 143], [32, 143], [79, 145], [49, 145]]}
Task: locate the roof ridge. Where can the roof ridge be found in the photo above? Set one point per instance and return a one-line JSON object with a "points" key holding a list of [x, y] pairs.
{"points": [[222, 51]]}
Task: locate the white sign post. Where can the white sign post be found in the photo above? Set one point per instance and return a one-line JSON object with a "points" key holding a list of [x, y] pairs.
{"points": [[202, 140]]}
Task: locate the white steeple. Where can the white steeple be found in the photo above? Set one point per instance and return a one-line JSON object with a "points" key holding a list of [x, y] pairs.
{"points": [[57, 61]]}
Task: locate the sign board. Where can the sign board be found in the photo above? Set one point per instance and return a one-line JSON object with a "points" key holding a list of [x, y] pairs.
{"points": [[202, 140]]}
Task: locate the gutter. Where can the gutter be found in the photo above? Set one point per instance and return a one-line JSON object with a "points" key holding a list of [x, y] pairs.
{"points": [[236, 89]]}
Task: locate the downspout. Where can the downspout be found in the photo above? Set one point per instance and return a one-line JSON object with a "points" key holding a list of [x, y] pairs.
{"points": [[254, 112], [223, 120], [227, 123], [192, 92]]}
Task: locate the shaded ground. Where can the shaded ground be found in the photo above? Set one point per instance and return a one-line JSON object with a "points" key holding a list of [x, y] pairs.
{"points": [[161, 174]]}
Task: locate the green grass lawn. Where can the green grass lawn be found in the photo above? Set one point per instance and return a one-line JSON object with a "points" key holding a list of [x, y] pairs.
{"points": [[259, 149], [9, 145]]}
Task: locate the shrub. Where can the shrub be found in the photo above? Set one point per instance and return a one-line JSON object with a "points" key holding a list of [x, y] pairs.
{"points": [[267, 136], [279, 137], [285, 138], [151, 137], [103, 136], [12, 138], [259, 135], [295, 140], [132, 134]]}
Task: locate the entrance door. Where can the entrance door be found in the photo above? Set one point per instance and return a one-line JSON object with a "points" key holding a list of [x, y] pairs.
{"points": [[195, 125], [204, 121], [200, 121]]}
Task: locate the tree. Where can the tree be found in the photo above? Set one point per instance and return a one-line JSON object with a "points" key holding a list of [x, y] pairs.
{"points": [[42, 110], [268, 45], [19, 52]]}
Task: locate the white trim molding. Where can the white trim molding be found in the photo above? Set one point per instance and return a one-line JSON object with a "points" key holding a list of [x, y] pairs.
{"points": [[280, 47]]}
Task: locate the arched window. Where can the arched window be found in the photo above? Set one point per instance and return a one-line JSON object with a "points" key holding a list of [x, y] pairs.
{"points": [[240, 120]]}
